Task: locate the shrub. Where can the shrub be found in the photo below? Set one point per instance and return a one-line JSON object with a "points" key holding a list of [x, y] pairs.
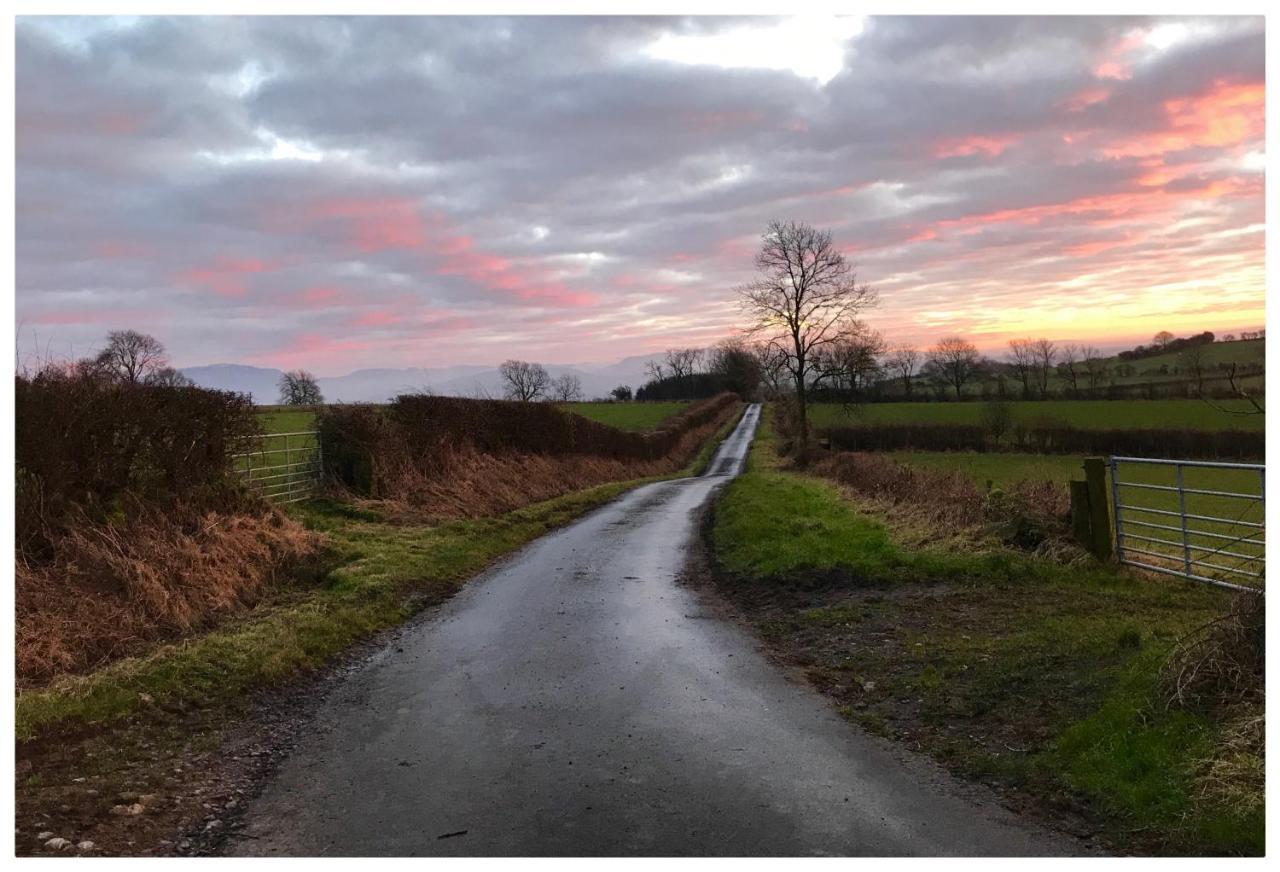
{"points": [[85, 444]]}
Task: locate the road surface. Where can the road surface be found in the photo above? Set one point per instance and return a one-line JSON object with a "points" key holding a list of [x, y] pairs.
{"points": [[577, 700]]}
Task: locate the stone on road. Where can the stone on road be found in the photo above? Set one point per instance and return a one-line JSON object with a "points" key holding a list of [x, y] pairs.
{"points": [[577, 700]]}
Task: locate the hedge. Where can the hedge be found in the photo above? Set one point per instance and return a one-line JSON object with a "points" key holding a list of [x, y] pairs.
{"points": [[1056, 439]]}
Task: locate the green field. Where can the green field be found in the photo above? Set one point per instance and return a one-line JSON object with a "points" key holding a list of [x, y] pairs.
{"points": [[276, 419], [627, 416], [1003, 469], [1240, 352], [1193, 414], [624, 416]]}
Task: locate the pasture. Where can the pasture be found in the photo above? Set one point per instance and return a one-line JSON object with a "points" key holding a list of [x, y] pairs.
{"points": [[282, 419], [624, 416], [1137, 414], [627, 416]]}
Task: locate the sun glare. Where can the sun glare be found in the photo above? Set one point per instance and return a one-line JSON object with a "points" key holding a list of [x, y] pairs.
{"points": [[810, 47]]}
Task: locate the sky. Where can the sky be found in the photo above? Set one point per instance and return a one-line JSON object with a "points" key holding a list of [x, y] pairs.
{"points": [[338, 194]]}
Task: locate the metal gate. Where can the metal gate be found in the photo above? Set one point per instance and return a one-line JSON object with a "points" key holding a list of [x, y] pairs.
{"points": [[285, 467], [1197, 520]]}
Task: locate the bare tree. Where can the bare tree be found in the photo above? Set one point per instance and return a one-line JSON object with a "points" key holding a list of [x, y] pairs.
{"points": [[1024, 363], [806, 297], [299, 388], [996, 417], [853, 363], [566, 388], [169, 377], [955, 361], [130, 356], [524, 381], [1095, 366], [772, 365], [902, 362], [1044, 353], [1162, 339], [683, 362], [1068, 370], [1191, 360], [735, 366]]}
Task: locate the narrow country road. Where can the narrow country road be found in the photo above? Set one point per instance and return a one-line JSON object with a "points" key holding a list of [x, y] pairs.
{"points": [[577, 700]]}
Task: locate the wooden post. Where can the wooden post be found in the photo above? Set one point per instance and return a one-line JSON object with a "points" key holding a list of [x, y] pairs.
{"points": [[1095, 475], [1081, 525]]}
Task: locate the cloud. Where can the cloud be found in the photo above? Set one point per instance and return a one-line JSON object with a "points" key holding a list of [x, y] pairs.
{"points": [[382, 192]]}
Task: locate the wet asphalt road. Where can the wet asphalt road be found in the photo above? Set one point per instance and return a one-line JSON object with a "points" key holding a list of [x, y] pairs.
{"points": [[576, 700]]}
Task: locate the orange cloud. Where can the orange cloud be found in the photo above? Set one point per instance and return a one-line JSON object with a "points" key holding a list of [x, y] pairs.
{"points": [[1225, 115]]}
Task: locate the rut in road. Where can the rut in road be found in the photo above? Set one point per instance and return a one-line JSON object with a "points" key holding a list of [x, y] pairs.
{"points": [[576, 700]]}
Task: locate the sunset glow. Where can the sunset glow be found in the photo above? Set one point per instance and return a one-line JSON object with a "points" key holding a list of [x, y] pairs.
{"points": [[425, 192]]}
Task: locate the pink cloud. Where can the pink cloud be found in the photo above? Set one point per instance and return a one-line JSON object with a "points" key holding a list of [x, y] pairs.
{"points": [[374, 224], [457, 254], [1082, 100], [310, 347], [119, 250], [225, 277], [1116, 62], [991, 146], [318, 297], [376, 318]]}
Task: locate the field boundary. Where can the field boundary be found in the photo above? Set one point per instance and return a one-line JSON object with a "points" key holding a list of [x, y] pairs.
{"points": [[1176, 557], [283, 467]]}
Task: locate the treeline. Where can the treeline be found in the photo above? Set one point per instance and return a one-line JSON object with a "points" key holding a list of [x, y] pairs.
{"points": [[698, 373], [1166, 343]]}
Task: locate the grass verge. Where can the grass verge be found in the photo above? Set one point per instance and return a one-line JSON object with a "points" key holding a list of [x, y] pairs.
{"points": [[379, 574], [1039, 679]]}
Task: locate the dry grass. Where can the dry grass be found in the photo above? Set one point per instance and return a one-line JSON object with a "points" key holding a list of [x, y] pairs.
{"points": [[469, 483], [938, 504], [113, 587], [1234, 776], [1222, 665], [1219, 670]]}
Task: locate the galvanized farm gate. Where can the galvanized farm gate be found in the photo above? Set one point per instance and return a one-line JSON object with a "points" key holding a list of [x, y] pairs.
{"points": [[1192, 519], [285, 467]]}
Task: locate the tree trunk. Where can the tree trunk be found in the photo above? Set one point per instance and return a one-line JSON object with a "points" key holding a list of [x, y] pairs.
{"points": [[803, 403]]}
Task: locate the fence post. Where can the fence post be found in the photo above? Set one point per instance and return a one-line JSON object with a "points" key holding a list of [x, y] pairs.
{"points": [[1095, 476], [1182, 510], [1080, 519]]}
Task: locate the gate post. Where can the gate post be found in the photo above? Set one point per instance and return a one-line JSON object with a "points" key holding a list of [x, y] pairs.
{"points": [[1095, 476]]}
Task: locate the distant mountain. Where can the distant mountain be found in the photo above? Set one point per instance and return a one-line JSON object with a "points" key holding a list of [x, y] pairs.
{"points": [[380, 385], [258, 382]]}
